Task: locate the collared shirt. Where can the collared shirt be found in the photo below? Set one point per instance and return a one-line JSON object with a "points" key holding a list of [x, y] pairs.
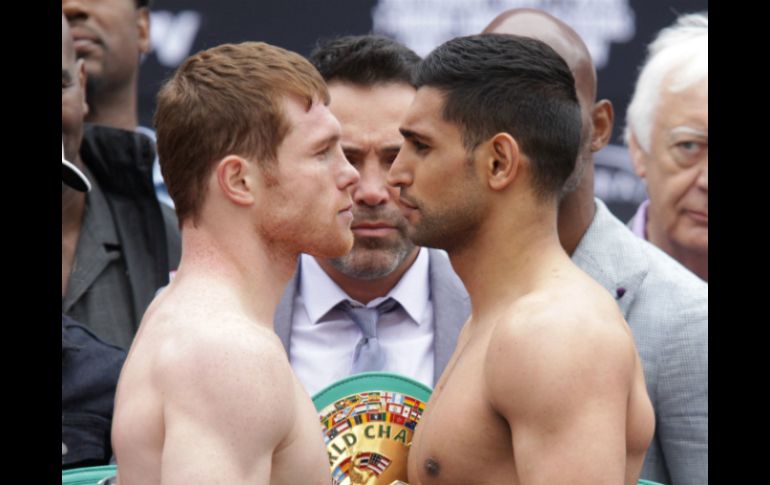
{"points": [[98, 292], [323, 338], [638, 224]]}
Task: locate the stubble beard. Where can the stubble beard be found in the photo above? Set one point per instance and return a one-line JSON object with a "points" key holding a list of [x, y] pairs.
{"points": [[373, 258], [448, 229], [326, 241], [291, 240], [290, 234], [451, 228]]}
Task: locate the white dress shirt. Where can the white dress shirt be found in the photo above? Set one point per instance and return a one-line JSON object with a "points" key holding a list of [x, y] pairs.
{"points": [[323, 339]]}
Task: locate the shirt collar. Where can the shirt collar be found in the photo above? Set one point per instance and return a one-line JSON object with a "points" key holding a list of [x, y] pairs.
{"points": [[413, 290], [639, 225], [320, 293]]}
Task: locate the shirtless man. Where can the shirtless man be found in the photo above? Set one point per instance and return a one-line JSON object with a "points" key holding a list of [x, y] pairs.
{"points": [[545, 385], [252, 159], [665, 305]]}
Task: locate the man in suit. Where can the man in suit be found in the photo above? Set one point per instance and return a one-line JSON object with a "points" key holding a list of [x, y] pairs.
{"points": [[665, 305], [89, 374], [370, 82], [118, 243]]}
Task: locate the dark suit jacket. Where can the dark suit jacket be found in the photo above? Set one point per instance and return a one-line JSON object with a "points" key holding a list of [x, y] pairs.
{"points": [[148, 239]]}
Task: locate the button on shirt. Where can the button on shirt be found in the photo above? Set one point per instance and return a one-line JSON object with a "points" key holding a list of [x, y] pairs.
{"points": [[323, 339]]}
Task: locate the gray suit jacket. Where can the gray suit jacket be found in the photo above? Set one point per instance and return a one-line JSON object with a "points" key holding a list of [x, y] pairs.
{"points": [[666, 307], [451, 308], [112, 285]]}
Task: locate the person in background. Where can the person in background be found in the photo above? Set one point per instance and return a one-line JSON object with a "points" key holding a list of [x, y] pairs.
{"points": [[667, 134], [118, 243], [111, 36], [89, 374]]}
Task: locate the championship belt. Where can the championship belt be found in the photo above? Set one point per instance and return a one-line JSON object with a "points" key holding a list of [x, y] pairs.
{"points": [[368, 420]]}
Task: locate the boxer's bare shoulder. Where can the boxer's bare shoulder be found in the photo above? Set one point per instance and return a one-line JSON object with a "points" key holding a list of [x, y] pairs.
{"points": [[561, 373]]}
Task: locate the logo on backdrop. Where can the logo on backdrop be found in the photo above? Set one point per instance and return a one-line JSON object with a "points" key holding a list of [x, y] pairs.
{"points": [[172, 35], [425, 24]]}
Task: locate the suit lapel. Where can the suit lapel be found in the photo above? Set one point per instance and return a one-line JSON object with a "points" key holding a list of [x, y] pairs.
{"points": [[135, 210], [451, 308], [284, 312], [85, 270], [619, 267], [91, 253]]}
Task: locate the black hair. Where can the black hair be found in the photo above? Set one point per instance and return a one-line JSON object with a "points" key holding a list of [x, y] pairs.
{"points": [[364, 60], [495, 83]]}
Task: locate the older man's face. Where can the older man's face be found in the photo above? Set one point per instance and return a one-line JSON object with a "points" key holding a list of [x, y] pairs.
{"points": [[676, 169]]}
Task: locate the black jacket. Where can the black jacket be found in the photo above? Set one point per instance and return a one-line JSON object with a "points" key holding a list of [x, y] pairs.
{"points": [[89, 375], [147, 231]]}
